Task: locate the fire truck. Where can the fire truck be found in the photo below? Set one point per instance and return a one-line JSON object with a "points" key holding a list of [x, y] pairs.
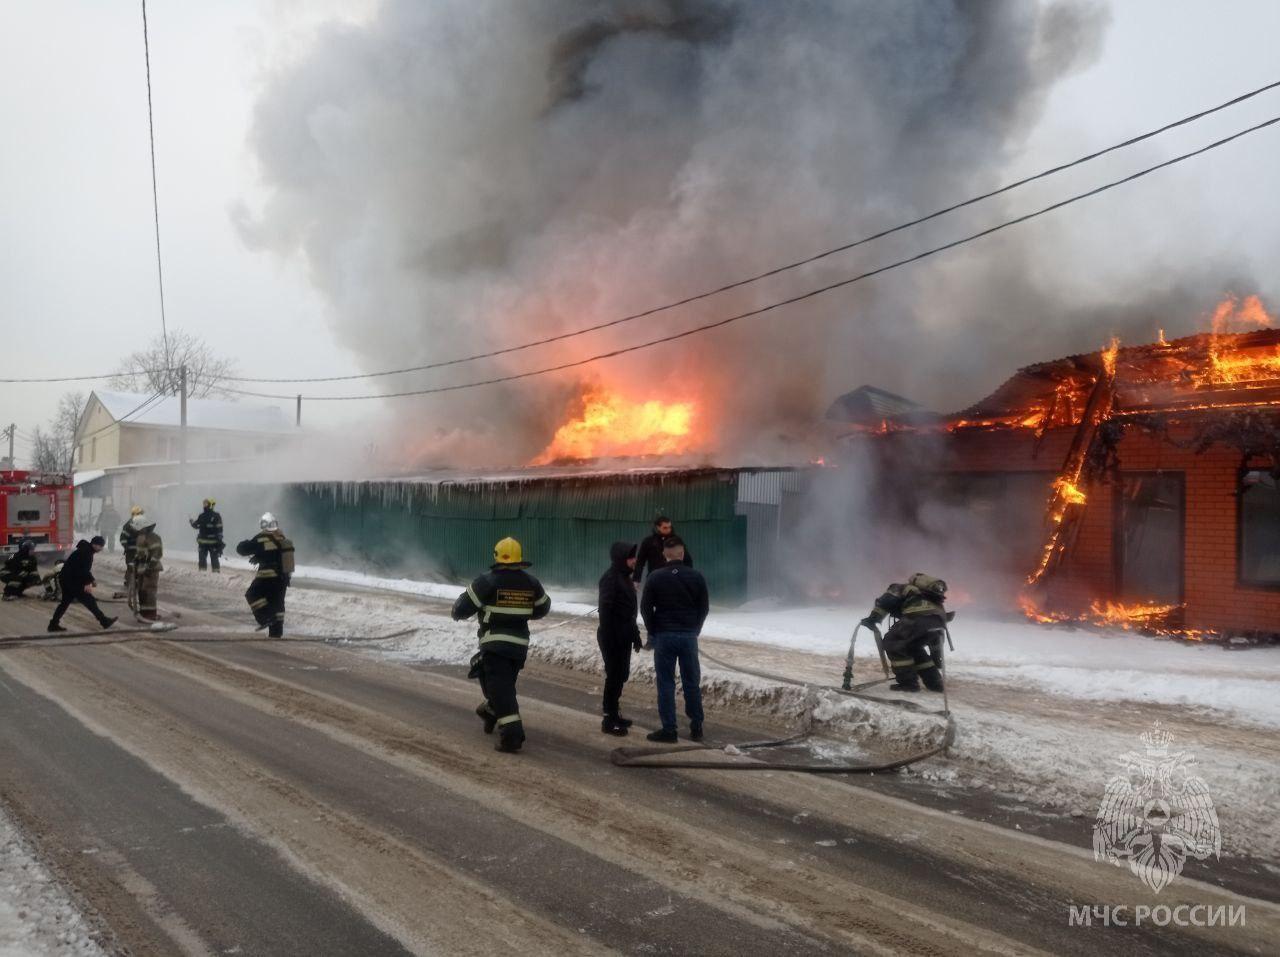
{"points": [[38, 506]]}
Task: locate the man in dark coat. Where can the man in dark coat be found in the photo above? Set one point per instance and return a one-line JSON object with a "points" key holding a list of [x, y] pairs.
{"points": [[674, 607], [617, 633], [650, 554], [505, 599], [20, 571], [76, 580]]}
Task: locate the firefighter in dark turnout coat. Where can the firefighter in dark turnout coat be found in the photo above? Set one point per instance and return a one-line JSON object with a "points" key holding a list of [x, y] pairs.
{"points": [[618, 634], [914, 643], [506, 599], [208, 526], [128, 538], [273, 554], [20, 571]]}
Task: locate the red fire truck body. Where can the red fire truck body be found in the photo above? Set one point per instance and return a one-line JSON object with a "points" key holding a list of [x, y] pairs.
{"points": [[38, 506]]}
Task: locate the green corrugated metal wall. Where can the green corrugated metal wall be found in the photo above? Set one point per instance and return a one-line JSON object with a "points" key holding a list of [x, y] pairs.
{"points": [[448, 531]]}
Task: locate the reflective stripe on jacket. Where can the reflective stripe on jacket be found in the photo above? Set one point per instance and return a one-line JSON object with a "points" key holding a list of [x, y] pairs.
{"points": [[505, 600]]}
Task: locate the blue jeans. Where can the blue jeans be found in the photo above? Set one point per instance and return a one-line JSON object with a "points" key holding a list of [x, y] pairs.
{"points": [[668, 648]]}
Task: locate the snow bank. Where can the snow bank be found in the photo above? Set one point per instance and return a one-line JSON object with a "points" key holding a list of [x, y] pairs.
{"points": [[37, 918], [1077, 663]]}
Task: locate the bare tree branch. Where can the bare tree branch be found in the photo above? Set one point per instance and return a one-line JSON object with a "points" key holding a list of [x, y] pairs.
{"points": [[46, 455], [154, 369]]}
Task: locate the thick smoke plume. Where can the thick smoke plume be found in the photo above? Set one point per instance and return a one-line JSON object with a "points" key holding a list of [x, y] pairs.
{"points": [[466, 175]]}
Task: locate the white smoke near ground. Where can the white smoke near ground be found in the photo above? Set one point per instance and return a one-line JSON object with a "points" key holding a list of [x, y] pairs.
{"points": [[467, 175]]}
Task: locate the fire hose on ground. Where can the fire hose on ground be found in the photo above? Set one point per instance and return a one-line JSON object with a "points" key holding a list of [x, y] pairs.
{"points": [[668, 757]]}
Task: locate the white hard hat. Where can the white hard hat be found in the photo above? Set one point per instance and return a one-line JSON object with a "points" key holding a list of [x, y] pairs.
{"points": [[268, 521]]}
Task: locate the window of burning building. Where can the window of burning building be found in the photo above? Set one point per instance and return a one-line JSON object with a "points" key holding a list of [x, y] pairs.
{"points": [[1259, 529]]}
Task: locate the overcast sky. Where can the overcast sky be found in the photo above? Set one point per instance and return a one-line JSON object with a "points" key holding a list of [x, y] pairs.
{"points": [[77, 253]]}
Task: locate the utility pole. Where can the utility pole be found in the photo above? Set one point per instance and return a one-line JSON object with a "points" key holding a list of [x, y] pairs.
{"points": [[298, 419], [182, 436], [12, 430]]}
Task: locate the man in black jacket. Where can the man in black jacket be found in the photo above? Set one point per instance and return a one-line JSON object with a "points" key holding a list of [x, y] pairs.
{"points": [[506, 599], [617, 633], [674, 606], [76, 579], [650, 554], [20, 571]]}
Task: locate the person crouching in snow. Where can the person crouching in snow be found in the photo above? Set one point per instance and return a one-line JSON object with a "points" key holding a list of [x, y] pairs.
{"points": [[914, 643], [618, 634]]}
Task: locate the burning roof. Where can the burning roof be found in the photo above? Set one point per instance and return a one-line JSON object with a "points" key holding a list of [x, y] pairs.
{"points": [[1207, 370]]}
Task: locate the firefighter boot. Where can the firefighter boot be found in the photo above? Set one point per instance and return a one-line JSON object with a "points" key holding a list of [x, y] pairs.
{"points": [[487, 716], [510, 734]]}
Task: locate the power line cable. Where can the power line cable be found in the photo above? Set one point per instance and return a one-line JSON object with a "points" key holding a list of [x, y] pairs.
{"points": [[125, 373], [788, 266], [784, 302], [155, 193]]}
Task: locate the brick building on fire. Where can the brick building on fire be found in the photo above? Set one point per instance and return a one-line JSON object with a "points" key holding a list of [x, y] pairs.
{"points": [[1142, 477]]}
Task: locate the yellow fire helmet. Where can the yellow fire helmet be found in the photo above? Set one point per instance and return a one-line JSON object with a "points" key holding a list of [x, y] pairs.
{"points": [[136, 510], [508, 552]]}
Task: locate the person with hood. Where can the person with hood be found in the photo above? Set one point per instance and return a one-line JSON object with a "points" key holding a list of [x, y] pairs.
{"points": [[914, 642], [505, 599], [617, 634], [208, 526], [148, 549], [272, 553], [76, 580], [20, 571]]}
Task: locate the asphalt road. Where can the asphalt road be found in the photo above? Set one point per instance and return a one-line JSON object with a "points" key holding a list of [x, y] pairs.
{"points": [[206, 796]]}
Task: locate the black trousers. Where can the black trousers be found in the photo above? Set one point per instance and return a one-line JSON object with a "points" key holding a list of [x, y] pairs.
{"points": [[498, 675], [617, 669], [266, 600], [211, 553], [16, 586], [914, 647], [85, 599]]}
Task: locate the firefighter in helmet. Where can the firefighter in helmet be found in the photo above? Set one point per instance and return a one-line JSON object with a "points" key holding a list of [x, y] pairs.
{"points": [[914, 642], [128, 534], [208, 526], [272, 553], [20, 571], [505, 599], [148, 549]]}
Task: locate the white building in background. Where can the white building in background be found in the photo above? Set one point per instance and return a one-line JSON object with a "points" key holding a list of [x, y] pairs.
{"points": [[126, 446]]}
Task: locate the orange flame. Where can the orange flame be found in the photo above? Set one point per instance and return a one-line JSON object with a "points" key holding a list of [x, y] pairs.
{"points": [[1228, 365], [611, 425], [1150, 617]]}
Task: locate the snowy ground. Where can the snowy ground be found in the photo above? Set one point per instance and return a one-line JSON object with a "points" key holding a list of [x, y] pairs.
{"points": [[37, 918], [1043, 714]]}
